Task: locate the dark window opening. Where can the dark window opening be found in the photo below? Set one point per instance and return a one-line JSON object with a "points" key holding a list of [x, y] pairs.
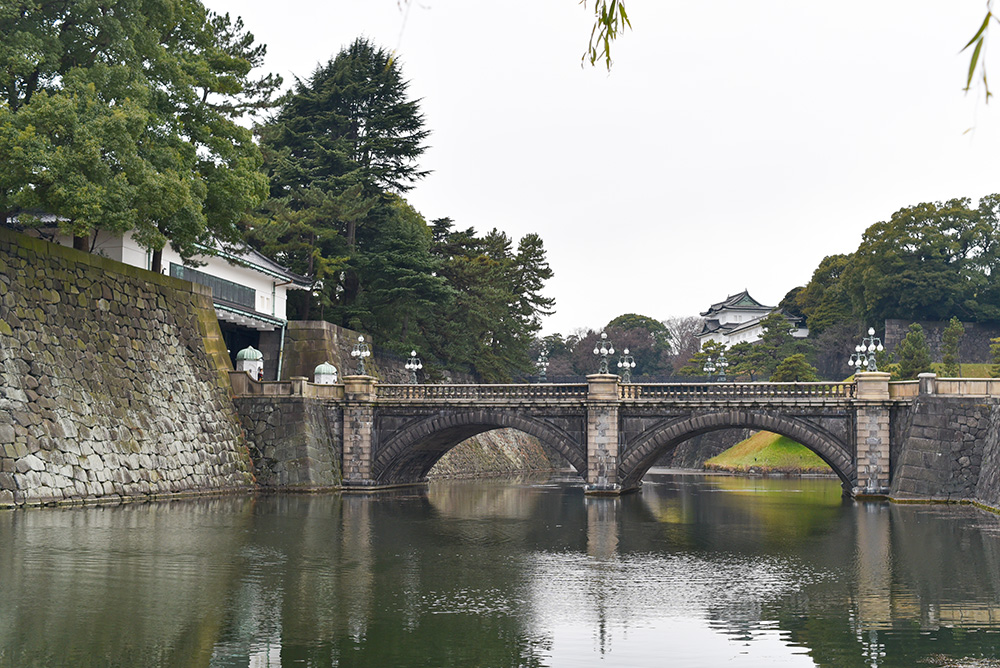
{"points": [[223, 290]]}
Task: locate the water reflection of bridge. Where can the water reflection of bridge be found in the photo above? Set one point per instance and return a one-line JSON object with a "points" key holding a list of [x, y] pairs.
{"points": [[305, 578]]}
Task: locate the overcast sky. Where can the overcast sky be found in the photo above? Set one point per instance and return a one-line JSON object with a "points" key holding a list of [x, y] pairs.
{"points": [[733, 145]]}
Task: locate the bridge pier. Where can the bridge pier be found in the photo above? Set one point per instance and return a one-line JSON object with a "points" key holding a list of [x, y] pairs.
{"points": [[602, 435], [359, 425], [872, 434]]}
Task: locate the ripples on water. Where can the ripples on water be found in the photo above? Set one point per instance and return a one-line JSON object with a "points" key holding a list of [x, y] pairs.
{"points": [[692, 571]]}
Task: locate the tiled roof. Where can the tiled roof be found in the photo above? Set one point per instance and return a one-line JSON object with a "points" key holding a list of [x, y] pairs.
{"points": [[742, 301]]}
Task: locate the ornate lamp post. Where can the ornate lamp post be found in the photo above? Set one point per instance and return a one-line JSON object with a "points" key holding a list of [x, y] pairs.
{"points": [[709, 367], [863, 358], [721, 364], [360, 352], [626, 364], [413, 365], [542, 364], [604, 348]]}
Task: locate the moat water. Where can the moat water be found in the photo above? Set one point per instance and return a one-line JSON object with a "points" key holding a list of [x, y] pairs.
{"points": [[691, 571]]}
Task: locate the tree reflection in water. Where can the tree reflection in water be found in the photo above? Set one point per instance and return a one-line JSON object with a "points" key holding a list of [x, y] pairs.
{"points": [[695, 570]]}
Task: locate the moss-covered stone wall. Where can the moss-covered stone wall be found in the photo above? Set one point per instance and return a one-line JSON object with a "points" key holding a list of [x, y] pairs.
{"points": [[112, 382]]}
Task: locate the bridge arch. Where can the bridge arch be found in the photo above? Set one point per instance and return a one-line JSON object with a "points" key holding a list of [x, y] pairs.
{"points": [[406, 455], [640, 455]]}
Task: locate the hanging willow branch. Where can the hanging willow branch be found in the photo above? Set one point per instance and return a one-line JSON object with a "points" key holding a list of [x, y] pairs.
{"points": [[610, 20], [976, 61]]}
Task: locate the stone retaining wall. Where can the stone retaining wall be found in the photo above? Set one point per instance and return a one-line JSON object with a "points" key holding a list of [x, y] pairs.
{"points": [[694, 452], [295, 442], [974, 346], [949, 451], [309, 343], [113, 382]]}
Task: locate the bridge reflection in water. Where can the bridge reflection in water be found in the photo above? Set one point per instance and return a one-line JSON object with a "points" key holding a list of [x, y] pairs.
{"points": [[703, 570]]}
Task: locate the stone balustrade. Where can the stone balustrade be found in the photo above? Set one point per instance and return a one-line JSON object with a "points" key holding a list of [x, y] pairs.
{"points": [[510, 392], [244, 385], [907, 390], [736, 391]]}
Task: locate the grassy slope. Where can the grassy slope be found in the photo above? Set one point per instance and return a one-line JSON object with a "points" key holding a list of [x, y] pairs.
{"points": [[767, 452], [968, 370]]}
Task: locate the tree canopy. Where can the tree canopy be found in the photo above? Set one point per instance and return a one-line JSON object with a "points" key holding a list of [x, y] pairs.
{"points": [[931, 261], [122, 115], [794, 368]]}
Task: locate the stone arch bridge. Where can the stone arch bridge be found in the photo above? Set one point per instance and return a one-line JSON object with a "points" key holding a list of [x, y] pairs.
{"points": [[610, 432]]}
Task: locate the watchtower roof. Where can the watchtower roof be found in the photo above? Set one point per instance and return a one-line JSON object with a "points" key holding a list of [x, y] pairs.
{"points": [[741, 301]]}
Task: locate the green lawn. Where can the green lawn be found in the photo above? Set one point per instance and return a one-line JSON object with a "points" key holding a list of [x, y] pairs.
{"points": [[768, 453], [968, 370]]}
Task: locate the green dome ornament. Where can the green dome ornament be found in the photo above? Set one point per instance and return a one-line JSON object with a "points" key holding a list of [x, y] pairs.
{"points": [[251, 360], [249, 354], [325, 374]]}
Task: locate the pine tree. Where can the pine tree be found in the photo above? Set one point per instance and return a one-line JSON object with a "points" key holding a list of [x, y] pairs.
{"points": [[349, 122], [696, 365], [339, 151], [913, 353], [794, 368], [950, 342]]}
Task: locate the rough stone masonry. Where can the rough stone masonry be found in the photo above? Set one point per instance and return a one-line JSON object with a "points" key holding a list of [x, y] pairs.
{"points": [[110, 385]]}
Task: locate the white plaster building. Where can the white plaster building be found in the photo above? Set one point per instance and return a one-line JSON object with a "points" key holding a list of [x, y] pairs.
{"points": [[249, 291], [737, 318]]}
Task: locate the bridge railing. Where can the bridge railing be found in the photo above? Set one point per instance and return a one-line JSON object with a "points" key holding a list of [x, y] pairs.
{"points": [[904, 389], [981, 387], [709, 391], [483, 392]]}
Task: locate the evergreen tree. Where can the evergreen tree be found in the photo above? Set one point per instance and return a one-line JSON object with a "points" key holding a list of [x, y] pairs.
{"points": [[951, 340], [762, 357], [995, 357], [399, 283], [647, 340], [929, 262], [913, 353], [744, 363], [339, 151], [122, 115], [350, 122], [824, 300], [696, 365], [488, 327], [794, 369]]}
